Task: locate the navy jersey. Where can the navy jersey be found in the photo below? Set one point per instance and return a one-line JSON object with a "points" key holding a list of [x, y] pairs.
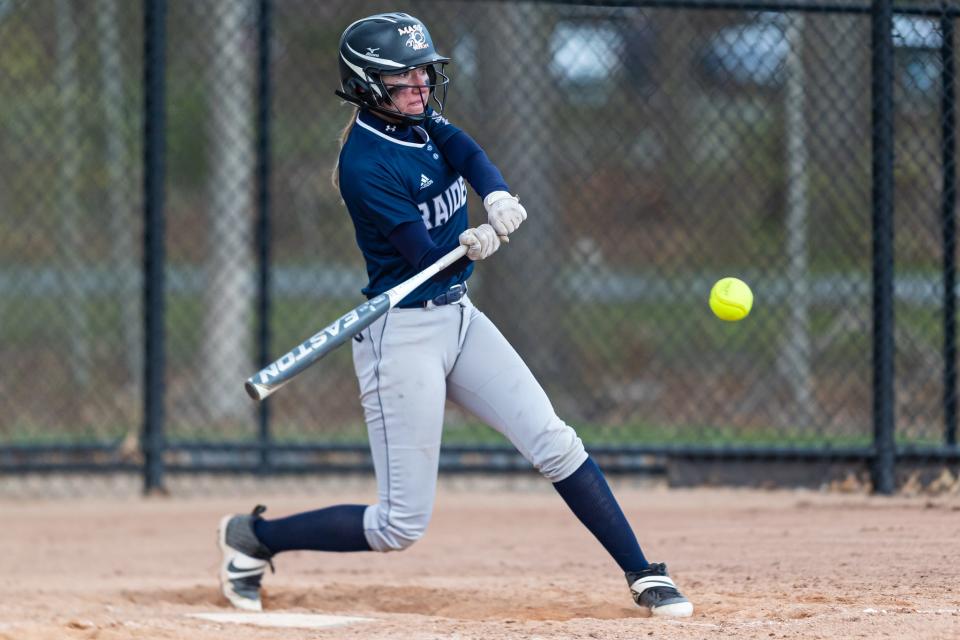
{"points": [[395, 174]]}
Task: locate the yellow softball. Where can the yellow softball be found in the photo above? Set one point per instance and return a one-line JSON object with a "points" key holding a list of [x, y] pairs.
{"points": [[731, 299]]}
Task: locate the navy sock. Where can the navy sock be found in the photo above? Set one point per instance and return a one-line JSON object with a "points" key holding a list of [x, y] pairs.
{"points": [[588, 495], [338, 528]]}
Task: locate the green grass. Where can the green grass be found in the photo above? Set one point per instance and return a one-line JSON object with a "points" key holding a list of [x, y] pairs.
{"points": [[685, 332], [666, 326], [638, 433], [24, 432], [469, 432], [618, 338]]}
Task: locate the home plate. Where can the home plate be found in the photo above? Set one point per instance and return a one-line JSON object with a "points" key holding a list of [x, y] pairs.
{"points": [[291, 620]]}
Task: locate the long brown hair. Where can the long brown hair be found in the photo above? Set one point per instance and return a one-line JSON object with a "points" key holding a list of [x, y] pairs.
{"points": [[335, 174]]}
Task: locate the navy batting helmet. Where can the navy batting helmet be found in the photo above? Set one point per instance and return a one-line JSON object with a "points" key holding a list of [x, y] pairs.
{"points": [[385, 44]]}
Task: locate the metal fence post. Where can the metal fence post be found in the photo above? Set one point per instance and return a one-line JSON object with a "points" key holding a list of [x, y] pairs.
{"points": [[884, 460], [263, 214], [154, 45], [948, 201]]}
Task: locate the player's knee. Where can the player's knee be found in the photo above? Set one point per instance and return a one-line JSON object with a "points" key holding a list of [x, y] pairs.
{"points": [[558, 451], [398, 538], [399, 529], [401, 540]]}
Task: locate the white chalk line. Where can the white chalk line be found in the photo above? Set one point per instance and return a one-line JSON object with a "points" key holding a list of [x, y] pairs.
{"points": [[283, 620]]}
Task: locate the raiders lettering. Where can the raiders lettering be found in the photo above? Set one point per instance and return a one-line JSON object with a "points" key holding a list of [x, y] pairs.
{"points": [[441, 208]]}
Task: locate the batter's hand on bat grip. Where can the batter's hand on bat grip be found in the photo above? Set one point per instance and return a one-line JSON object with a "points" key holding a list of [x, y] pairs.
{"points": [[481, 242], [504, 213]]}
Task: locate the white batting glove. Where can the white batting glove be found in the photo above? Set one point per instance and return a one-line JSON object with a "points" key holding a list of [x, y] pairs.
{"points": [[504, 212], [481, 242]]}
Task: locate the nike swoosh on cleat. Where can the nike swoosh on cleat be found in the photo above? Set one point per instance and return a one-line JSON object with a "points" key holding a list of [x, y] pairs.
{"points": [[234, 571]]}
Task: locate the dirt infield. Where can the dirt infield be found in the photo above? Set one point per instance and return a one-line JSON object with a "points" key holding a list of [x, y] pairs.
{"points": [[498, 564]]}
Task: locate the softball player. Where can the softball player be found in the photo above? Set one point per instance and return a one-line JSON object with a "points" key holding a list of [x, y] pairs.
{"points": [[402, 172]]}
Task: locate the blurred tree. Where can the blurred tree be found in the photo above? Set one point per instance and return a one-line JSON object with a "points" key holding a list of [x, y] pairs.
{"points": [[229, 287], [519, 132], [121, 194], [68, 190]]}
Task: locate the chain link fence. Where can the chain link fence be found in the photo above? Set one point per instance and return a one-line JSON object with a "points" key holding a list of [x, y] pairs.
{"points": [[657, 147]]}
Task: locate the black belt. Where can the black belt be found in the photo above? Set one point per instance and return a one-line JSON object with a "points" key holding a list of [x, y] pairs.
{"points": [[451, 296]]}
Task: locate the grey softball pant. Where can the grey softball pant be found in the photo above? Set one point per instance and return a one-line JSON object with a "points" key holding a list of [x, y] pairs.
{"points": [[408, 363]]}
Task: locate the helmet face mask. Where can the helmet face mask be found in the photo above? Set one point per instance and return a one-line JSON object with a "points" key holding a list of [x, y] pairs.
{"points": [[436, 80], [383, 45]]}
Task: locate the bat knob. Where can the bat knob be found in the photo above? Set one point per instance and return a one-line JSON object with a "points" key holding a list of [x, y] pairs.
{"points": [[251, 390]]}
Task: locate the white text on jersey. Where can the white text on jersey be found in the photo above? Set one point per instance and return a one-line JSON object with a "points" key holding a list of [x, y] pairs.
{"points": [[444, 205]]}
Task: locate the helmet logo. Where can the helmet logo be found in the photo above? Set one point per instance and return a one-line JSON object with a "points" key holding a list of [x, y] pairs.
{"points": [[373, 52], [417, 40]]}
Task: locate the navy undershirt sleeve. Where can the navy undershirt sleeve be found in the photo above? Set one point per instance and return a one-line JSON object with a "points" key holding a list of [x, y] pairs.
{"points": [[471, 161], [417, 247], [465, 156]]}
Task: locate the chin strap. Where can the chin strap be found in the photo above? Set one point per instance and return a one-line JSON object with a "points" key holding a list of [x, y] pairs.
{"points": [[349, 99]]}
